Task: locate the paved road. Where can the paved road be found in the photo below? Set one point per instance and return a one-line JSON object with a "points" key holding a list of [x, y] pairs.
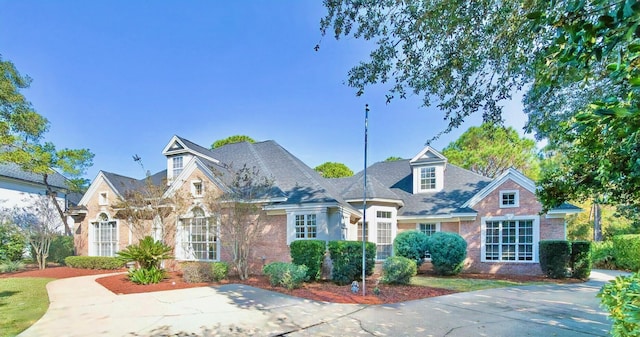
{"points": [[81, 307]]}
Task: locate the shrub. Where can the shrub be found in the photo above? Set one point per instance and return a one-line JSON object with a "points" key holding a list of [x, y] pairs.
{"points": [[621, 297], [346, 257], [309, 253], [11, 266], [398, 270], [448, 251], [147, 253], [196, 272], [61, 247], [626, 249], [580, 259], [147, 275], [93, 262], [287, 275], [412, 245], [12, 242], [219, 271], [602, 255], [555, 256]]}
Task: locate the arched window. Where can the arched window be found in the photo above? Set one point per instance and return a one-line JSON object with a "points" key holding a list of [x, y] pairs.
{"points": [[200, 234], [104, 236]]}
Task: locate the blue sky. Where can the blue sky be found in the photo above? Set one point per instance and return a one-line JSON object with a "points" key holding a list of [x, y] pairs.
{"points": [[122, 77]]}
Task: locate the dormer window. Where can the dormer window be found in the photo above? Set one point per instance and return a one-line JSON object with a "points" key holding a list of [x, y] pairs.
{"points": [[509, 199], [427, 178], [177, 166]]}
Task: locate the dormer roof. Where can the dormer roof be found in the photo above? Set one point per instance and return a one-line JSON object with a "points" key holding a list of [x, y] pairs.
{"points": [[427, 156], [178, 145]]}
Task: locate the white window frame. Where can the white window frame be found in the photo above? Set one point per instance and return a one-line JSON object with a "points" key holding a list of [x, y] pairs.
{"points": [[194, 188], [516, 198], [303, 224], [96, 243], [534, 244], [434, 178], [427, 255], [211, 237], [175, 168], [438, 172], [103, 198], [384, 232]]}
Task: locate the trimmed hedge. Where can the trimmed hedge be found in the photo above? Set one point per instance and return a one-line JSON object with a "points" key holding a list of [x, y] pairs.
{"points": [[309, 253], [580, 259], [93, 262], [197, 272], [219, 270], [346, 257], [626, 249], [602, 255], [448, 251], [287, 275], [412, 245], [398, 270], [555, 256], [621, 297]]}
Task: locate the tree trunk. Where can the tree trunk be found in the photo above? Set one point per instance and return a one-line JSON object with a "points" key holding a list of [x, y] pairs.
{"points": [[52, 195], [597, 226]]}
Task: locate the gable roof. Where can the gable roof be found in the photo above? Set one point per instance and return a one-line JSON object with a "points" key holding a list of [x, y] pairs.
{"points": [[14, 171], [122, 185], [179, 145], [509, 174], [428, 155]]}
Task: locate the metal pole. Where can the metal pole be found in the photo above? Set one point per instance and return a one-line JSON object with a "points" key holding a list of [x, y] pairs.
{"points": [[364, 204]]}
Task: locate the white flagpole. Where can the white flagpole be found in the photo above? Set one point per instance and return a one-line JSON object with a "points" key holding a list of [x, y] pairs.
{"points": [[364, 204]]}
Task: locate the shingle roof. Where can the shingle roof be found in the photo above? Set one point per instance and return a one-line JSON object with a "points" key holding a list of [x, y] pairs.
{"points": [[394, 178], [16, 172], [354, 188], [124, 185]]}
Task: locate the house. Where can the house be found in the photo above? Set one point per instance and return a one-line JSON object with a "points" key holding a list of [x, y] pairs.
{"points": [[18, 188], [498, 218]]}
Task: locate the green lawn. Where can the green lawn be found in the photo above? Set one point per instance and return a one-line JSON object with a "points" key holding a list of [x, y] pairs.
{"points": [[464, 284], [22, 302]]}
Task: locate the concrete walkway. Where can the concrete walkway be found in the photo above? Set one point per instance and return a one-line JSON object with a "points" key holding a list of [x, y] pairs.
{"points": [[81, 307]]}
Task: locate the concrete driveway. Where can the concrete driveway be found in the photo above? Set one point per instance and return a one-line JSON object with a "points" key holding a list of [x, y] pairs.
{"points": [[81, 307]]}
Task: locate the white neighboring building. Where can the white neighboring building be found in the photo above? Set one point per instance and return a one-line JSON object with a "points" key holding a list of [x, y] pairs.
{"points": [[18, 189]]}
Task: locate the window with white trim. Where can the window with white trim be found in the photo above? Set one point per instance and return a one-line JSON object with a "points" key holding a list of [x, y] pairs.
{"points": [[103, 198], [509, 199], [509, 240], [427, 178], [202, 236], [104, 236], [384, 244], [306, 226], [197, 189], [359, 231], [177, 165], [428, 229]]}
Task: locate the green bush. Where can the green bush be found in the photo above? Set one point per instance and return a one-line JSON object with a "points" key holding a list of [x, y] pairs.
{"points": [[448, 251], [93, 262], [12, 242], [196, 272], [309, 253], [626, 249], [412, 245], [61, 247], [150, 275], [287, 275], [555, 256], [621, 297], [580, 259], [398, 270], [147, 253], [11, 266], [602, 255], [219, 271], [346, 257]]}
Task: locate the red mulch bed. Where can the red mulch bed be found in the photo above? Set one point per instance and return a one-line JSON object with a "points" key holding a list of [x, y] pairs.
{"points": [[318, 291]]}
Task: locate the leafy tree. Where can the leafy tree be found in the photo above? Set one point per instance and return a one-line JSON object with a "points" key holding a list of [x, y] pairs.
{"points": [[491, 149], [241, 218], [333, 170], [21, 137], [232, 140], [581, 226], [12, 241], [577, 59], [393, 158]]}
